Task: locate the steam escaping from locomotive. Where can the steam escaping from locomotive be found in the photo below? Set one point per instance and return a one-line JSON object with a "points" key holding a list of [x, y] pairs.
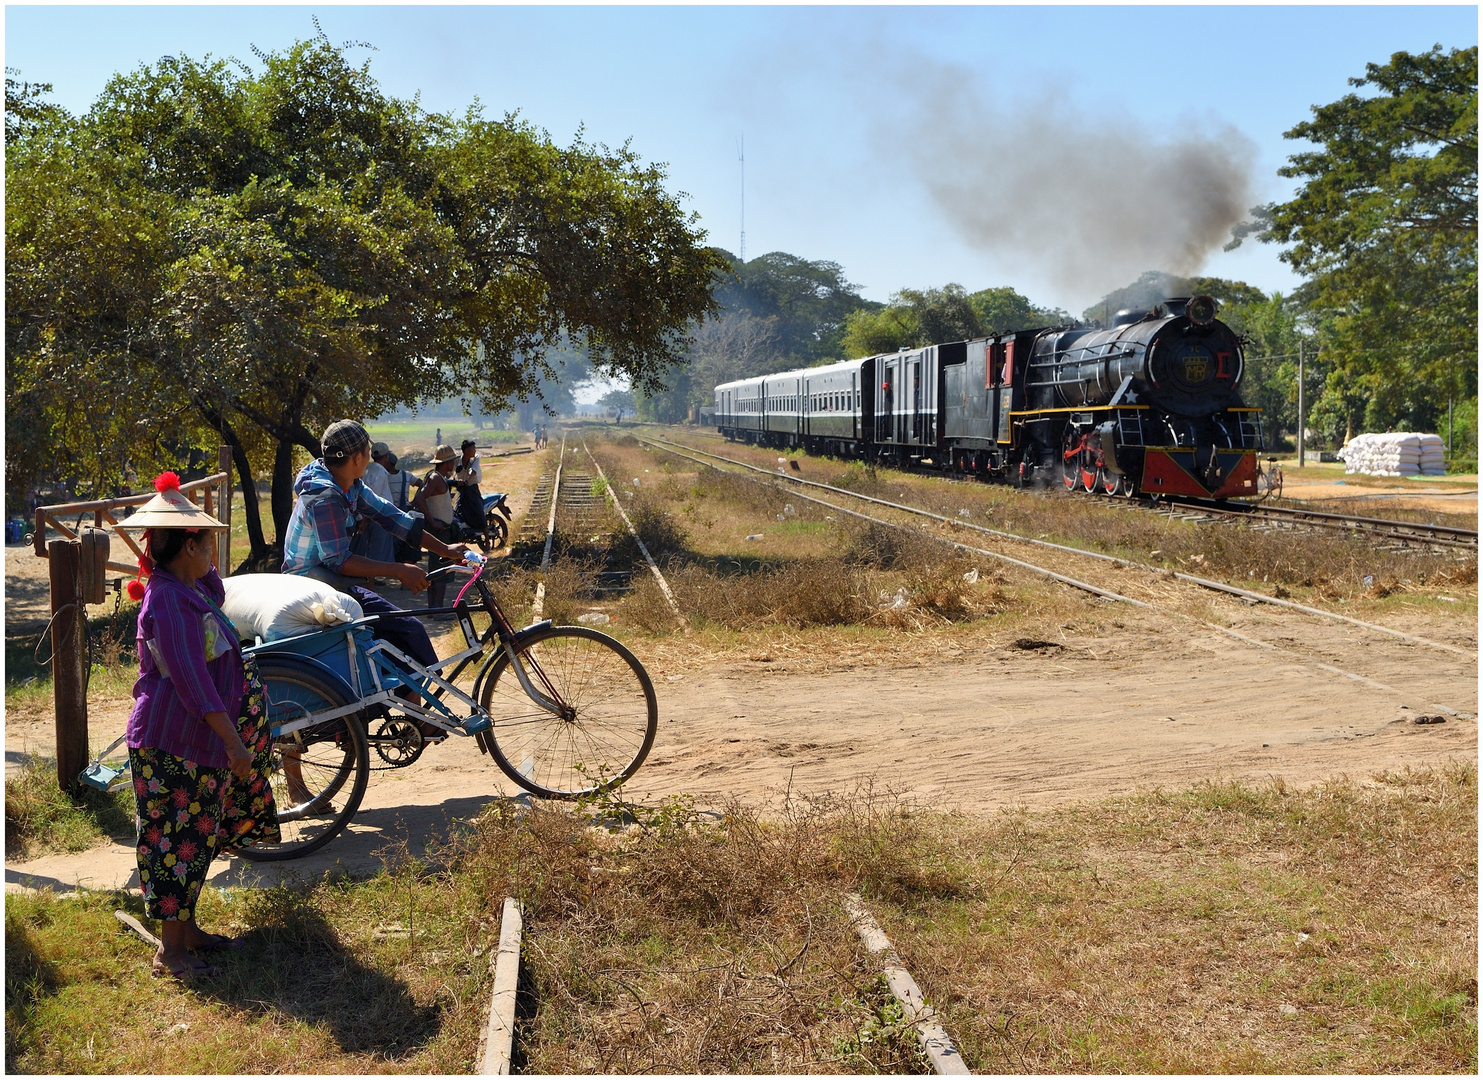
{"points": [[1087, 202]]}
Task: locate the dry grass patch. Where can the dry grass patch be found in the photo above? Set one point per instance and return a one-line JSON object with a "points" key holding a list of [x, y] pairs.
{"points": [[1227, 927], [1333, 565]]}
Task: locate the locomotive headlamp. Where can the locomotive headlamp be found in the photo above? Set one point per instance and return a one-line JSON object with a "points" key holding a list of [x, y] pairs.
{"points": [[1201, 310]]}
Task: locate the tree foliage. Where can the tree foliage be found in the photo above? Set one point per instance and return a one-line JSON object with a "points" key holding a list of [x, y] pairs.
{"points": [[918, 317], [259, 253], [1386, 228], [1004, 311], [775, 312], [803, 301]]}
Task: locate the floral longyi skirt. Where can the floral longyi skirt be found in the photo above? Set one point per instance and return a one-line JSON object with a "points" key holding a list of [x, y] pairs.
{"points": [[187, 813]]}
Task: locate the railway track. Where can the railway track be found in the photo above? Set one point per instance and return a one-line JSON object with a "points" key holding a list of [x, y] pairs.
{"points": [[1402, 532], [1316, 664], [1245, 595], [577, 509]]}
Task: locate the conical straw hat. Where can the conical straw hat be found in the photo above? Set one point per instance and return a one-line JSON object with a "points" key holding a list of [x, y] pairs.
{"points": [[169, 510]]}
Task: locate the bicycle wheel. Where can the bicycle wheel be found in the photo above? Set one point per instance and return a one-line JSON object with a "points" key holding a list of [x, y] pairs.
{"points": [[332, 760], [604, 731]]}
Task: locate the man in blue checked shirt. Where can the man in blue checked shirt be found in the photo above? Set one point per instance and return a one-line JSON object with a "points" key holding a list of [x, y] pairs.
{"points": [[332, 500]]}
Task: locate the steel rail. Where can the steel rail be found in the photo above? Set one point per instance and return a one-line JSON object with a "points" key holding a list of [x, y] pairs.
{"points": [[1073, 582], [538, 605], [612, 495], [1403, 530], [1443, 535], [1192, 579]]}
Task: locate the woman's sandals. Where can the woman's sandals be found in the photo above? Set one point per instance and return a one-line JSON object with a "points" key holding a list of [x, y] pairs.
{"points": [[184, 972]]}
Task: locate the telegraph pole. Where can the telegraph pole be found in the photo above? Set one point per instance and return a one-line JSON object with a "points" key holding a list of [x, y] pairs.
{"points": [[1301, 418], [741, 153]]}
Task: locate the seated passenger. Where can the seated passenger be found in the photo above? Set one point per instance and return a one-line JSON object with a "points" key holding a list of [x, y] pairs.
{"points": [[332, 501]]}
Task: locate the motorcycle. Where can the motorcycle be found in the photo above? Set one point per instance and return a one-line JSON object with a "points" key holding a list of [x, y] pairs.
{"points": [[496, 528]]}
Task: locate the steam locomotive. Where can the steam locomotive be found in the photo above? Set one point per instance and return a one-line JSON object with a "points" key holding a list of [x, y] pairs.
{"points": [[1147, 406]]}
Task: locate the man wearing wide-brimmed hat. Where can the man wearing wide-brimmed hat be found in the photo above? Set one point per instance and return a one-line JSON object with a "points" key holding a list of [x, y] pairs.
{"points": [[333, 498], [435, 502]]}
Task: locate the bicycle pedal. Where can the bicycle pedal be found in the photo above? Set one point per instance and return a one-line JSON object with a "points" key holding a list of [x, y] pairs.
{"points": [[102, 776], [473, 725]]}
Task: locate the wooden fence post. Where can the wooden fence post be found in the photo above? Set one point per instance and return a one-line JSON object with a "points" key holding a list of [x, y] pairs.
{"points": [[224, 512], [69, 659]]}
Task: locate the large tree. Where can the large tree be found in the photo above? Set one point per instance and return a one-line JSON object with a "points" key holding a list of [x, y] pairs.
{"points": [[1386, 227], [776, 312], [259, 253], [805, 300]]}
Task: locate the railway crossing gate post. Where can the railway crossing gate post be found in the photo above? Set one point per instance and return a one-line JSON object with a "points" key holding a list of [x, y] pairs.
{"points": [[1302, 420], [69, 628]]}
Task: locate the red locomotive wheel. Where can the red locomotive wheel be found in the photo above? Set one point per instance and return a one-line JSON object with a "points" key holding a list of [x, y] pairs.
{"points": [[1111, 482], [1073, 453]]}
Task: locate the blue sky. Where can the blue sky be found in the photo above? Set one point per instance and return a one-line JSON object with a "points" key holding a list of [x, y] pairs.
{"points": [[1021, 146]]}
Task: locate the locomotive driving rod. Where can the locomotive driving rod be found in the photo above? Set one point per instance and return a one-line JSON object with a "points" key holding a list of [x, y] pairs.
{"points": [[1073, 582], [1217, 586]]}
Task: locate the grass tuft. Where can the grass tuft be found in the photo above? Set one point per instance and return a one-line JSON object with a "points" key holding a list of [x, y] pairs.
{"points": [[41, 819]]}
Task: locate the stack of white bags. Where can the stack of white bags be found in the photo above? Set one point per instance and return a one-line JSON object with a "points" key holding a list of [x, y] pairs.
{"points": [[1394, 453]]}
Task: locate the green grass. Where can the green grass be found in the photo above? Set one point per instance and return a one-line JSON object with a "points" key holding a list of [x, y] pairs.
{"points": [[1162, 932], [40, 819], [420, 434], [315, 991]]}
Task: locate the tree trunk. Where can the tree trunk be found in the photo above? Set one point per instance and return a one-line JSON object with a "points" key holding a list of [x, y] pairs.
{"points": [[259, 552], [283, 495]]}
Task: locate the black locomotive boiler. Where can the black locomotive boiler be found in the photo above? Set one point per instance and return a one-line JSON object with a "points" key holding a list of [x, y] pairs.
{"points": [[1150, 405]]}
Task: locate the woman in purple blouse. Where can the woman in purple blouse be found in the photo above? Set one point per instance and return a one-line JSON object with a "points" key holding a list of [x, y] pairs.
{"points": [[198, 735]]}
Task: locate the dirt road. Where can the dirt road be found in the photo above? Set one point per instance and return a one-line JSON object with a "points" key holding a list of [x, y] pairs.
{"points": [[986, 728]]}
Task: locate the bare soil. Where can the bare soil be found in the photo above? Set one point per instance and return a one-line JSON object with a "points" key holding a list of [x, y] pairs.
{"points": [[1118, 700]]}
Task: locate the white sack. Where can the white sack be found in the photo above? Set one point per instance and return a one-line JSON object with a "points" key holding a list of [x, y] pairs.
{"points": [[273, 606]]}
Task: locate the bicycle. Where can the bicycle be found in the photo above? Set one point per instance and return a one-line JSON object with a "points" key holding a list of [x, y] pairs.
{"points": [[564, 711], [1269, 480]]}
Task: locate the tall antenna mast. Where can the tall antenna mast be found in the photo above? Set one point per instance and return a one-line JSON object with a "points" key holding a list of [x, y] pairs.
{"points": [[741, 153]]}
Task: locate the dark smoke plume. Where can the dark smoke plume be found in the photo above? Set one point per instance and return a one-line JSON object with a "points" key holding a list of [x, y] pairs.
{"points": [[1089, 202]]}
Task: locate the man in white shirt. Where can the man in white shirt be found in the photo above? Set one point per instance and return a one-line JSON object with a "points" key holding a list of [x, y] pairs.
{"points": [[375, 542]]}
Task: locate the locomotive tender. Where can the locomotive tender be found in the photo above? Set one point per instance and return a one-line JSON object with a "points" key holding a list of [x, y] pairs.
{"points": [[1148, 406]]}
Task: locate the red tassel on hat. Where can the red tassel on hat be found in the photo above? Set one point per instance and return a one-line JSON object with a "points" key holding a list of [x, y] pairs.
{"points": [[167, 481], [135, 588]]}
